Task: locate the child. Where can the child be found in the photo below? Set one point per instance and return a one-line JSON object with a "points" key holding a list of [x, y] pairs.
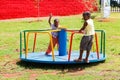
{"points": [[87, 39], [54, 34]]}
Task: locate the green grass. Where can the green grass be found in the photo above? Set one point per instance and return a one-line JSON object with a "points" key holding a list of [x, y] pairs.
{"points": [[12, 69]]}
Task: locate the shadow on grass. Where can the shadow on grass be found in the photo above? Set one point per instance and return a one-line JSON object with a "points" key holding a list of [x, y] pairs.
{"points": [[62, 67]]}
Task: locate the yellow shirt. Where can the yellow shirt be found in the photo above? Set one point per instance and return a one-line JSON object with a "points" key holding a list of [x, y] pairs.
{"points": [[89, 30]]}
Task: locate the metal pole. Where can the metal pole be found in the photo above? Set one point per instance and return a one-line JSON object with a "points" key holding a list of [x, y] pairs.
{"points": [[104, 44], [24, 40], [20, 44], [101, 42], [70, 47], [97, 50], [34, 42]]}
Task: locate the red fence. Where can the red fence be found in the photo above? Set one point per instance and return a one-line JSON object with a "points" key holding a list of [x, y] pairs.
{"points": [[29, 8]]}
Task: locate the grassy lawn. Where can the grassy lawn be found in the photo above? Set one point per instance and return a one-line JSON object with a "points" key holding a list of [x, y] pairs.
{"points": [[11, 68]]}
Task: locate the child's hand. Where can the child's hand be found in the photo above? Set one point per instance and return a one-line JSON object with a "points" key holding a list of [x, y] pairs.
{"points": [[49, 20], [81, 31], [50, 15]]}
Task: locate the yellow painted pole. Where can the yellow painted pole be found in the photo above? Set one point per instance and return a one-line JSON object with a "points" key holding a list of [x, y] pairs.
{"points": [[53, 30], [97, 50], [34, 42], [51, 41], [26, 51]]}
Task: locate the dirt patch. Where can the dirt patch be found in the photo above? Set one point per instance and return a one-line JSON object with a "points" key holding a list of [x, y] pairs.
{"points": [[7, 64], [10, 75], [106, 19], [33, 75], [52, 73], [75, 72]]}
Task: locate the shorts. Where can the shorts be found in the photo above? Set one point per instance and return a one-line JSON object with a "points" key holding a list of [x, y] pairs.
{"points": [[86, 43]]}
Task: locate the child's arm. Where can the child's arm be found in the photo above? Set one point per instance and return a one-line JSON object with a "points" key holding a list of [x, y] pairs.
{"points": [[83, 27], [49, 20]]}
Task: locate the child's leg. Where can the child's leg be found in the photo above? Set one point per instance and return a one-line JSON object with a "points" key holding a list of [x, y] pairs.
{"points": [[82, 48], [87, 55], [48, 49], [80, 56], [89, 48], [55, 41]]}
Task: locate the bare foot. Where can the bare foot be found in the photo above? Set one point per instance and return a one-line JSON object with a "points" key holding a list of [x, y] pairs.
{"points": [[86, 60], [78, 60]]}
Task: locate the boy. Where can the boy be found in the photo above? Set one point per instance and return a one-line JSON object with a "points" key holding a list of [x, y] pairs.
{"points": [[54, 34], [87, 39]]}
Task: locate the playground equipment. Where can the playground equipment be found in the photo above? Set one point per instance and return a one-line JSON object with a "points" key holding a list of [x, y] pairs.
{"points": [[62, 56]]}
